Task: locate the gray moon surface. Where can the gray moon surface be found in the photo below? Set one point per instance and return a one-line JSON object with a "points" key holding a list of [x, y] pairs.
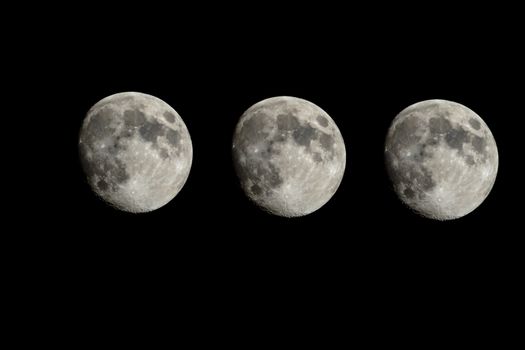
{"points": [[442, 159], [289, 156], [135, 151]]}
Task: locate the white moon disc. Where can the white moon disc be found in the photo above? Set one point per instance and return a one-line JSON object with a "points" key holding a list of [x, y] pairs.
{"points": [[289, 156], [442, 159], [135, 150]]}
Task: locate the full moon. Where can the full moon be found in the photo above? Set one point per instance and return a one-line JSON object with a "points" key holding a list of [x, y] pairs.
{"points": [[135, 151], [442, 159], [289, 156]]}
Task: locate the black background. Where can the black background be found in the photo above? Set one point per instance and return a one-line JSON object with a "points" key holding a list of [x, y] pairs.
{"points": [[210, 254]]}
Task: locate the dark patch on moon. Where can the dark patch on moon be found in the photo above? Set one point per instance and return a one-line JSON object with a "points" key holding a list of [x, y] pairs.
{"points": [[173, 137], [474, 123], [102, 168], [409, 193], [127, 133], [455, 138], [287, 123], [304, 135], [478, 143], [164, 154], [410, 177], [170, 117], [252, 129], [151, 131], [432, 141], [317, 157], [99, 126], [424, 179], [256, 189], [327, 142], [274, 178], [117, 173], [134, 118], [404, 134], [322, 121], [102, 185], [439, 125], [257, 172]]}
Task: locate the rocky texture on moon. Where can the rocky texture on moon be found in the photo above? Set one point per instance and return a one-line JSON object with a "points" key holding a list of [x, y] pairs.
{"points": [[289, 156], [135, 151], [442, 159]]}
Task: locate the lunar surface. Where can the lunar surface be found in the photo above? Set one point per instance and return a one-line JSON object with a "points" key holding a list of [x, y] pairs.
{"points": [[442, 159], [135, 150], [289, 156]]}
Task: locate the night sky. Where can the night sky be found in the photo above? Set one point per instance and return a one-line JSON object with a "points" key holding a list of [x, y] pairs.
{"points": [[363, 253]]}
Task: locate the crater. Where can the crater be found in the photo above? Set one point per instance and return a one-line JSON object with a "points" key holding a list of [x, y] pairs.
{"points": [[256, 189], [474, 123], [322, 121], [409, 193], [102, 185], [170, 117]]}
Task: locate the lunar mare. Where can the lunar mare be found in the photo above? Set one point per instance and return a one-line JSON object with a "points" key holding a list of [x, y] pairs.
{"points": [[289, 155], [135, 151], [442, 159]]}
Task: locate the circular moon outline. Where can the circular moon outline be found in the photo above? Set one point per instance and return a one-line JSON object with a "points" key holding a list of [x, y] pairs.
{"points": [[135, 150], [441, 158], [289, 155]]}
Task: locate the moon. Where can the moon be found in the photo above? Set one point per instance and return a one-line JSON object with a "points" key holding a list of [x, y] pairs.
{"points": [[442, 159], [135, 151], [289, 156]]}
